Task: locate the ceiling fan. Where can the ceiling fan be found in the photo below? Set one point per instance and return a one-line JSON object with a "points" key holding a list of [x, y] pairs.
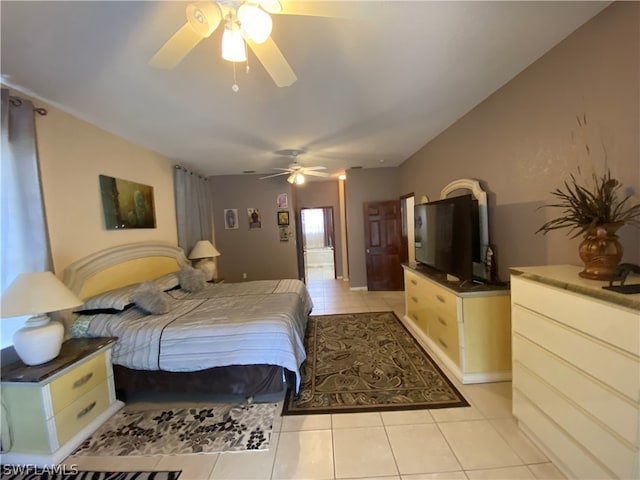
{"points": [[296, 171], [246, 22]]}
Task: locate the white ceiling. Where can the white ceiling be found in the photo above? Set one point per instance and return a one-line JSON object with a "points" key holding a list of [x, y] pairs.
{"points": [[371, 89]]}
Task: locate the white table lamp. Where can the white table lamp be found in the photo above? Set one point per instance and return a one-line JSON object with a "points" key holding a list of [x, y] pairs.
{"points": [[37, 293], [204, 251]]}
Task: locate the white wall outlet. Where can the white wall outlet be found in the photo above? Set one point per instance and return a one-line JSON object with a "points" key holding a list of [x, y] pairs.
{"points": [[244, 276]]}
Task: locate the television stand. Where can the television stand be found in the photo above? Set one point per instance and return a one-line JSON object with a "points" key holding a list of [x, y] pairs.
{"points": [[465, 325]]}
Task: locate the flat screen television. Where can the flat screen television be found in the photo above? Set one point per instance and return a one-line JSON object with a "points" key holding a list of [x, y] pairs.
{"points": [[447, 235]]}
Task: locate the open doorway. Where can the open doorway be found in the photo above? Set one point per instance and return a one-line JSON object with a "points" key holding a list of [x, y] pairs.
{"points": [[318, 243]]}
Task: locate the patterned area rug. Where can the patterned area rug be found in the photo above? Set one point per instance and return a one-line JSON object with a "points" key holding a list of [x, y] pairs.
{"points": [[27, 472], [367, 362], [206, 429]]}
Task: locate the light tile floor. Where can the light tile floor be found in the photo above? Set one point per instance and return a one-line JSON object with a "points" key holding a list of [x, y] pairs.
{"points": [[478, 442]]}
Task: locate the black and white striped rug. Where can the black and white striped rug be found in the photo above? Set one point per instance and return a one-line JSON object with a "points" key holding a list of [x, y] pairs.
{"points": [[62, 472]]}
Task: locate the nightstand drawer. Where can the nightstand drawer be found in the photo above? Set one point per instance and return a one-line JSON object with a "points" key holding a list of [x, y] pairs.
{"points": [[81, 412], [73, 385]]}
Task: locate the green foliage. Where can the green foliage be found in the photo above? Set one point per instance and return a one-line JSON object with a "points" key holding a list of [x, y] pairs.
{"points": [[583, 208]]}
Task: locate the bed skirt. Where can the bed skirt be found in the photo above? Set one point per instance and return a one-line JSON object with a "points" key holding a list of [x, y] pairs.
{"points": [[246, 380]]}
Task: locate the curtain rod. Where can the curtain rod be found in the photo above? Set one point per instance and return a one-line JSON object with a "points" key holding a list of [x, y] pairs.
{"points": [[17, 101], [190, 172]]}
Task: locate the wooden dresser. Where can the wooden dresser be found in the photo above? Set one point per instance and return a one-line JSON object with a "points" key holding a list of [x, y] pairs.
{"points": [[576, 371], [467, 326], [48, 410]]}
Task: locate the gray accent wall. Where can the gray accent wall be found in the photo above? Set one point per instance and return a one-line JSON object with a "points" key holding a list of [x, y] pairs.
{"points": [[524, 140], [366, 185], [258, 253]]}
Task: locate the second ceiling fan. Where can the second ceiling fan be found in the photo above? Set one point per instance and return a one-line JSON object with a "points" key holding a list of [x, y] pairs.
{"points": [[296, 171]]}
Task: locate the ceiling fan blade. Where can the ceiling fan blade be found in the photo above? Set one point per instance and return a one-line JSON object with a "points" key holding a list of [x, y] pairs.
{"points": [[315, 174], [317, 167], [176, 48], [274, 175], [352, 9], [274, 62]]}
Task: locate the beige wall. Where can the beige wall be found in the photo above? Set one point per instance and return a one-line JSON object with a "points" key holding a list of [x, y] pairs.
{"points": [[524, 140], [72, 155]]}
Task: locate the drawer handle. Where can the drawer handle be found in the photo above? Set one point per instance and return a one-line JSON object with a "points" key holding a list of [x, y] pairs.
{"points": [[442, 342], [82, 380], [442, 322], [440, 299], [414, 299], [86, 410], [414, 282]]}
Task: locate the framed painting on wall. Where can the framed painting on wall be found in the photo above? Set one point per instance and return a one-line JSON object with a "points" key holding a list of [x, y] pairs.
{"points": [[283, 218], [255, 220], [283, 201], [126, 204], [230, 218]]}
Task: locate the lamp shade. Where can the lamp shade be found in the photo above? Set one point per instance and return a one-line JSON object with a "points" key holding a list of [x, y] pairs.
{"points": [[36, 292], [204, 249]]}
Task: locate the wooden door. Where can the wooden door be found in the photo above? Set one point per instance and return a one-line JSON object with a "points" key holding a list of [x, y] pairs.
{"points": [[383, 245]]}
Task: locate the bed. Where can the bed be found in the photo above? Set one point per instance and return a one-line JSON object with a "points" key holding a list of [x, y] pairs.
{"points": [[222, 338]]}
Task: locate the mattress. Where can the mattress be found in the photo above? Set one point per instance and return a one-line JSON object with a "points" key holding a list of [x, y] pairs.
{"points": [[260, 322]]}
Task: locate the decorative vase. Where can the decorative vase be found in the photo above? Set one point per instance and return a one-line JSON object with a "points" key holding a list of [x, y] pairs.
{"points": [[600, 251]]}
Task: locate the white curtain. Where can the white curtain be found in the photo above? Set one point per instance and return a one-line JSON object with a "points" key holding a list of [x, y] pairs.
{"points": [[24, 240], [193, 208]]}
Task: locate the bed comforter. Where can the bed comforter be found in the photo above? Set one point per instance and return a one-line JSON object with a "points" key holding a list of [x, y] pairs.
{"points": [[260, 322]]}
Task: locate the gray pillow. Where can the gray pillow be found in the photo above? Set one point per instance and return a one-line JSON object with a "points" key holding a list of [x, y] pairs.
{"points": [[191, 279], [148, 298]]}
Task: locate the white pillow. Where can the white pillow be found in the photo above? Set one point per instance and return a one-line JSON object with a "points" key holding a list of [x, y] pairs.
{"points": [[116, 299]]}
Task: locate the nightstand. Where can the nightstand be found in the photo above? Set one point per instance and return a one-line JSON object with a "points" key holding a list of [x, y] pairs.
{"points": [[48, 410]]}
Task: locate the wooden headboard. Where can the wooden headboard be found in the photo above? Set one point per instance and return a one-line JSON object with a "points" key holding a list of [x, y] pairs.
{"points": [[122, 265]]}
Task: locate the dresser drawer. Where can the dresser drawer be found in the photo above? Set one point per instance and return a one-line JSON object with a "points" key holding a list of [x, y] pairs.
{"points": [[588, 315], [442, 301], [588, 431], [80, 413], [444, 331], [593, 397], [82, 379], [556, 442], [588, 354]]}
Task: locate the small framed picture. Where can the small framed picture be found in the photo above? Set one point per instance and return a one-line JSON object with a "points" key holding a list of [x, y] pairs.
{"points": [[283, 201], [255, 219], [283, 218], [230, 218], [284, 234]]}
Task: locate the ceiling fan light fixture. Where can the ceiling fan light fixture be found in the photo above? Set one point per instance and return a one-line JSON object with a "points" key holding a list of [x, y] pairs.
{"points": [[256, 23], [271, 6], [296, 177], [233, 48], [204, 17]]}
